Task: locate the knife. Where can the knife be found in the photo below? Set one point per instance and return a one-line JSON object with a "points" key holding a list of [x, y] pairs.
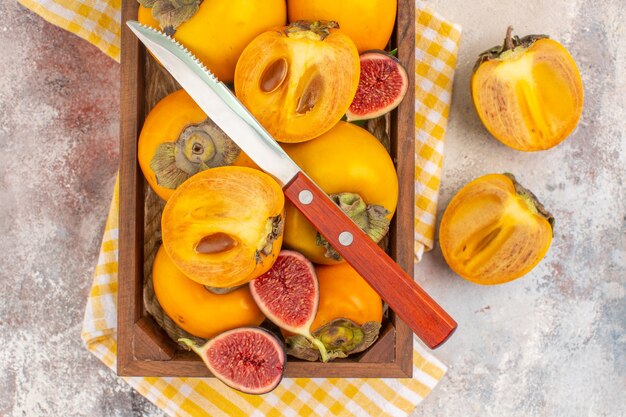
{"points": [[403, 295]]}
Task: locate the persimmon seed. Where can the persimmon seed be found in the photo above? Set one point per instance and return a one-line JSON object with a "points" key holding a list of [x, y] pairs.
{"points": [[215, 243], [274, 75]]}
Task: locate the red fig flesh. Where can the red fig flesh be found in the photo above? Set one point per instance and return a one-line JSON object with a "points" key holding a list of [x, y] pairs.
{"points": [[288, 295], [382, 86], [248, 359]]}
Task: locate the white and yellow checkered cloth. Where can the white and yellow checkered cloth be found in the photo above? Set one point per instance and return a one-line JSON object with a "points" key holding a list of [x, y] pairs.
{"points": [[97, 21], [436, 46]]}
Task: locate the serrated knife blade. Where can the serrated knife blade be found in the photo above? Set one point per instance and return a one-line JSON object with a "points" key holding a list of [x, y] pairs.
{"points": [[407, 299], [218, 102]]}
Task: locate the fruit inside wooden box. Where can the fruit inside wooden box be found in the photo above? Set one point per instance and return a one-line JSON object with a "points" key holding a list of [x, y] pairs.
{"points": [[144, 348]]}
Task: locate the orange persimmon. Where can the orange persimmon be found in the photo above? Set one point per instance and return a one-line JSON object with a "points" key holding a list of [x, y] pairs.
{"points": [[528, 93], [354, 168], [298, 80], [196, 309], [224, 226], [348, 317], [215, 31], [178, 140], [369, 23], [494, 230]]}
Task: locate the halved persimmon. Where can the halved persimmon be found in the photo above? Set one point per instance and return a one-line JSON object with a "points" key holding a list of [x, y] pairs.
{"points": [[298, 80], [494, 230], [528, 92], [224, 226]]}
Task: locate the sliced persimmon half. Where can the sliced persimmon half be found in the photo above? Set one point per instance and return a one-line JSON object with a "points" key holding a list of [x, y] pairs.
{"points": [[528, 92], [224, 226], [494, 230], [298, 80]]}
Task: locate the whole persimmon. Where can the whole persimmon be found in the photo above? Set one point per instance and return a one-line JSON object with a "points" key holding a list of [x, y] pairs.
{"points": [[215, 31], [348, 318], [178, 140], [355, 170], [368, 22], [195, 308]]}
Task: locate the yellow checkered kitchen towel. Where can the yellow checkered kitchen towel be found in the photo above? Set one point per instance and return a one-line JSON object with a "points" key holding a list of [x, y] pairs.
{"points": [[436, 44], [97, 21], [209, 397]]}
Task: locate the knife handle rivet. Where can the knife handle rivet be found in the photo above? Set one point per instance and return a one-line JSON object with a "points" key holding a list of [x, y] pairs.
{"points": [[305, 197], [345, 238]]}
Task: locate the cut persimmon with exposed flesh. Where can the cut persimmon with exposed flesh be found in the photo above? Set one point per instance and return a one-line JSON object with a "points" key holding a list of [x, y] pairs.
{"points": [[528, 92], [494, 230], [298, 80], [224, 226]]}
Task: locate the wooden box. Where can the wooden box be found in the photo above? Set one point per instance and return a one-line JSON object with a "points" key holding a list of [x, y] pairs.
{"points": [[144, 349]]}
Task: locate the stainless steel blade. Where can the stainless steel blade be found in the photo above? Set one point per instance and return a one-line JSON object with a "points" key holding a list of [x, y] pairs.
{"points": [[218, 102]]}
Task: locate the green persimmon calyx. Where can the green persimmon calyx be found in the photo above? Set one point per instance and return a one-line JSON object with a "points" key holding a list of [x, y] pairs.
{"points": [[341, 337], [200, 146], [370, 218], [171, 13]]}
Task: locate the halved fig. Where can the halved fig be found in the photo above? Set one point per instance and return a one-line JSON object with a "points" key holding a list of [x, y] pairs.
{"points": [[288, 295], [298, 80], [528, 92], [382, 86], [224, 226], [248, 359], [494, 230], [348, 318]]}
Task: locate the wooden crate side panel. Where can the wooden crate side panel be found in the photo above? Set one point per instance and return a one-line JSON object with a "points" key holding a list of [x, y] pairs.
{"points": [[403, 148], [131, 191]]}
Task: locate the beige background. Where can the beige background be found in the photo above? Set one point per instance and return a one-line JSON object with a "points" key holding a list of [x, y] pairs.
{"points": [[551, 344]]}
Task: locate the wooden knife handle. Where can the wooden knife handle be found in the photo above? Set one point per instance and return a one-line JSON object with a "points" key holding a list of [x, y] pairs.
{"points": [[407, 299]]}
